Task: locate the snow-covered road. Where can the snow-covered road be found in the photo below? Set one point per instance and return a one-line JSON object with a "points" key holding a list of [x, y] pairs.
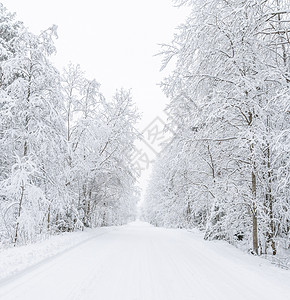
{"points": [[139, 261]]}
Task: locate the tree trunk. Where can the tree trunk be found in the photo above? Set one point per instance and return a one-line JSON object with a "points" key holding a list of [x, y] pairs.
{"points": [[18, 215], [254, 214], [269, 200], [48, 218]]}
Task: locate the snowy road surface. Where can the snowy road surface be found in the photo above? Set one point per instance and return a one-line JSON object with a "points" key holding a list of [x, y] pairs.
{"points": [[139, 261]]}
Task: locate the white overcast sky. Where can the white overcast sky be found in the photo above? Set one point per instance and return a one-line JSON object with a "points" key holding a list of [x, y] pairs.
{"points": [[114, 41]]}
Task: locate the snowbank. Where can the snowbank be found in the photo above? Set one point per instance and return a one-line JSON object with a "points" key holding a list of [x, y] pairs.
{"points": [[15, 260]]}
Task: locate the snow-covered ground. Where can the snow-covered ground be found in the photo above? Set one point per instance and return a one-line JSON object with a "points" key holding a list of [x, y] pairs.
{"points": [[15, 260], [137, 262]]}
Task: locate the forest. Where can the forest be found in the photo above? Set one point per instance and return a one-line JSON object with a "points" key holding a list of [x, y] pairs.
{"points": [[226, 171], [65, 148]]}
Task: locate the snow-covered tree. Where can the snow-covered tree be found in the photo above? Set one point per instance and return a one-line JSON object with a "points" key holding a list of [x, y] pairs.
{"points": [[33, 132]]}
